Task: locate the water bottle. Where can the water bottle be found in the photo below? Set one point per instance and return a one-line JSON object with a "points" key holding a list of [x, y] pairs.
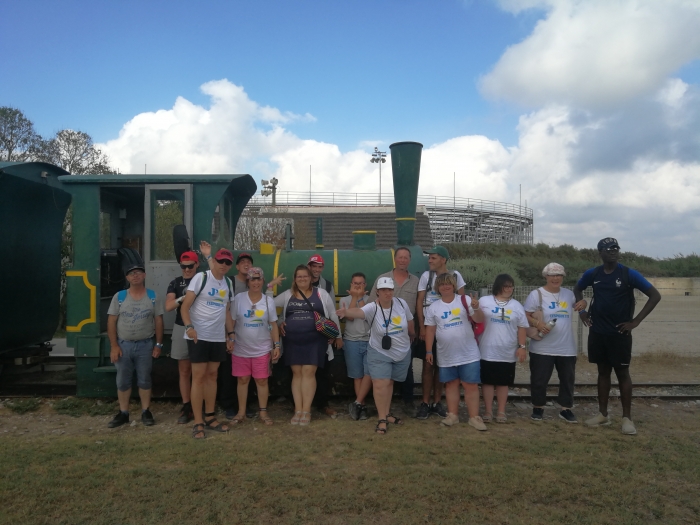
{"points": [[550, 325]]}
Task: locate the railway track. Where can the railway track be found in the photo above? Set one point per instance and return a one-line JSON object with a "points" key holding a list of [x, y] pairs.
{"points": [[649, 391]]}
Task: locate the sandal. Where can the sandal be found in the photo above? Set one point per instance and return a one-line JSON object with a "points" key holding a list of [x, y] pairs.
{"points": [[396, 421], [501, 417], [264, 417], [296, 418], [209, 423], [384, 430], [305, 420], [237, 420], [486, 418], [198, 429]]}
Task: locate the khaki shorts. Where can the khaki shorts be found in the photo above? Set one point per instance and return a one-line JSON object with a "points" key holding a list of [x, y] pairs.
{"points": [[178, 349]]}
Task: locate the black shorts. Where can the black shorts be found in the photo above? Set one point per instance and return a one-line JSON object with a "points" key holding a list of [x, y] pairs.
{"points": [[497, 373], [206, 351], [418, 351], [612, 349]]}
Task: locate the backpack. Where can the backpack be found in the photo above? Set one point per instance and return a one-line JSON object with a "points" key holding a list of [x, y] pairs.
{"points": [[328, 286], [121, 297], [204, 282], [625, 284]]}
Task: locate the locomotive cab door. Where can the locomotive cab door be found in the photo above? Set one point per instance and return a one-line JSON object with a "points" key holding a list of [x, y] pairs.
{"points": [[165, 206]]}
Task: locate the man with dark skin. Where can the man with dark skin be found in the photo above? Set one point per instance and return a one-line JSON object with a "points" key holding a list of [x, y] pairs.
{"points": [[611, 321]]}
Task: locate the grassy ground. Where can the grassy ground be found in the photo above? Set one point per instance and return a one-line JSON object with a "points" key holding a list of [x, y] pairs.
{"points": [[61, 469]]}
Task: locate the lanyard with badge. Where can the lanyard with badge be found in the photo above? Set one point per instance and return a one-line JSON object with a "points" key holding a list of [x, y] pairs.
{"points": [[386, 338]]}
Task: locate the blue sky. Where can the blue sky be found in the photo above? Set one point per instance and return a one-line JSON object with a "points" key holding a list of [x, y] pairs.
{"points": [[592, 106]]}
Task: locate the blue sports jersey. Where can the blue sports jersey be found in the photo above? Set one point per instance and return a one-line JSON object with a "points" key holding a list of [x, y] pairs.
{"points": [[612, 300]]}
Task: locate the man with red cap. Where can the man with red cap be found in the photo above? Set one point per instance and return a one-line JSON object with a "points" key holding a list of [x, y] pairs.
{"points": [[316, 265], [189, 262], [226, 383], [209, 333]]}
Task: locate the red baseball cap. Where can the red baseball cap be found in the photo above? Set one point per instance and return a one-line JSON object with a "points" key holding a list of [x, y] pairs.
{"points": [[316, 259], [189, 256], [225, 254], [244, 255]]}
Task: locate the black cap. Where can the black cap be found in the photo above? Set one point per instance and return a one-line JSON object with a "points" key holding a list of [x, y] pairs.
{"points": [[134, 267], [606, 243]]}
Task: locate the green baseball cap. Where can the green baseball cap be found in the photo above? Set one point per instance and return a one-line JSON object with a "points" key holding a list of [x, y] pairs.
{"points": [[440, 250]]}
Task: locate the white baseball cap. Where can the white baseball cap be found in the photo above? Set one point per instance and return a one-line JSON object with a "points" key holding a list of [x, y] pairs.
{"points": [[385, 282]]}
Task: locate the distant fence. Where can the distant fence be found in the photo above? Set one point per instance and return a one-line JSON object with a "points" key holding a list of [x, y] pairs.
{"points": [[673, 326]]}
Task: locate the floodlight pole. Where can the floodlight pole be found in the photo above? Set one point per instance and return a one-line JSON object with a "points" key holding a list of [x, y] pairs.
{"points": [[379, 158]]}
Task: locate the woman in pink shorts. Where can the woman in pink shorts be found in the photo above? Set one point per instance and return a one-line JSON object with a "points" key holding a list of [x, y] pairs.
{"points": [[256, 341]]}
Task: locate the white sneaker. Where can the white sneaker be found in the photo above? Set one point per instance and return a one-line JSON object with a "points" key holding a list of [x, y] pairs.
{"points": [[598, 421], [450, 419], [477, 423], [628, 427]]}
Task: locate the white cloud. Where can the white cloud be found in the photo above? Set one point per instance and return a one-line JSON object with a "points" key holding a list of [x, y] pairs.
{"points": [[586, 175], [595, 53]]}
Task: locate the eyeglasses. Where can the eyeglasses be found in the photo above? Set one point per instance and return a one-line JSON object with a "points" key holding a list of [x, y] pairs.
{"points": [[612, 249], [508, 286], [224, 261], [187, 266], [255, 279], [358, 284]]}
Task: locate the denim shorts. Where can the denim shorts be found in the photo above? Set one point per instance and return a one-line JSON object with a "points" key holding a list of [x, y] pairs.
{"points": [[136, 356], [356, 358], [382, 367], [469, 373]]}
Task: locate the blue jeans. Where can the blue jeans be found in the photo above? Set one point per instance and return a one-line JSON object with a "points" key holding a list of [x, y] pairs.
{"points": [[356, 358], [136, 356]]}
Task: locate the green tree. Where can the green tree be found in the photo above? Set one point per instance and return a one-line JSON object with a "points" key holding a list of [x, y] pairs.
{"points": [[75, 152], [18, 140]]}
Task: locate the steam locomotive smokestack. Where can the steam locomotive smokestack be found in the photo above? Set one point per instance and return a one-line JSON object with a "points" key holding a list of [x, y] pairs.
{"points": [[405, 166]]}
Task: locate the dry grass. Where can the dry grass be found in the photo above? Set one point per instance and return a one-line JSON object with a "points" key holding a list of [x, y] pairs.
{"points": [[339, 471]]}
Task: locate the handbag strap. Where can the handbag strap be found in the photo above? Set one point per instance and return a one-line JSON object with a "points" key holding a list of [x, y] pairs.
{"points": [[308, 302]]}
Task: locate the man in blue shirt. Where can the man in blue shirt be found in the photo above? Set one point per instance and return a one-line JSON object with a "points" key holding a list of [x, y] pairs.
{"points": [[611, 321]]}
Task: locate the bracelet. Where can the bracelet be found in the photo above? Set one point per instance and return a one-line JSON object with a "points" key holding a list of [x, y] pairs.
{"points": [[276, 345], [582, 312], [270, 286], [428, 353], [229, 333], [232, 339], [208, 257]]}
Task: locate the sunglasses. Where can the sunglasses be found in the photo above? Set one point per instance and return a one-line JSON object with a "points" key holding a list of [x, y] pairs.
{"points": [[187, 266], [224, 261], [612, 249]]}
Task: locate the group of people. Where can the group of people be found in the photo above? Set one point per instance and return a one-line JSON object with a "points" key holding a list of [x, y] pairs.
{"points": [[229, 329]]}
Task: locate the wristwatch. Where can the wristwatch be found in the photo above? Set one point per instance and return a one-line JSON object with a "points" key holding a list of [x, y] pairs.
{"points": [[522, 346], [187, 327], [159, 345]]}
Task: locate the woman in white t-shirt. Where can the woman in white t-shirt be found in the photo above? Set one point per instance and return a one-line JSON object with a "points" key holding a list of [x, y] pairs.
{"points": [[448, 319], [501, 344], [389, 351], [557, 347], [257, 340]]}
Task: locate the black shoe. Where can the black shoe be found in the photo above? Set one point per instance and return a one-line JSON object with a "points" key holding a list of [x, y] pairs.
{"points": [[423, 411], [250, 413], [186, 414], [438, 409], [537, 414], [120, 419], [147, 418], [354, 410], [568, 416], [363, 412]]}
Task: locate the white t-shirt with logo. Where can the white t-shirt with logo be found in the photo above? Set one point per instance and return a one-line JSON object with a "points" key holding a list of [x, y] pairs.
{"points": [[433, 295], [208, 312], [253, 337], [456, 344], [499, 342], [559, 306], [397, 318]]}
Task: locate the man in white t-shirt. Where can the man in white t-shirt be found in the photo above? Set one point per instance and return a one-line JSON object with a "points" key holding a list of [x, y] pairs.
{"points": [[427, 295], [209, 333]]}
